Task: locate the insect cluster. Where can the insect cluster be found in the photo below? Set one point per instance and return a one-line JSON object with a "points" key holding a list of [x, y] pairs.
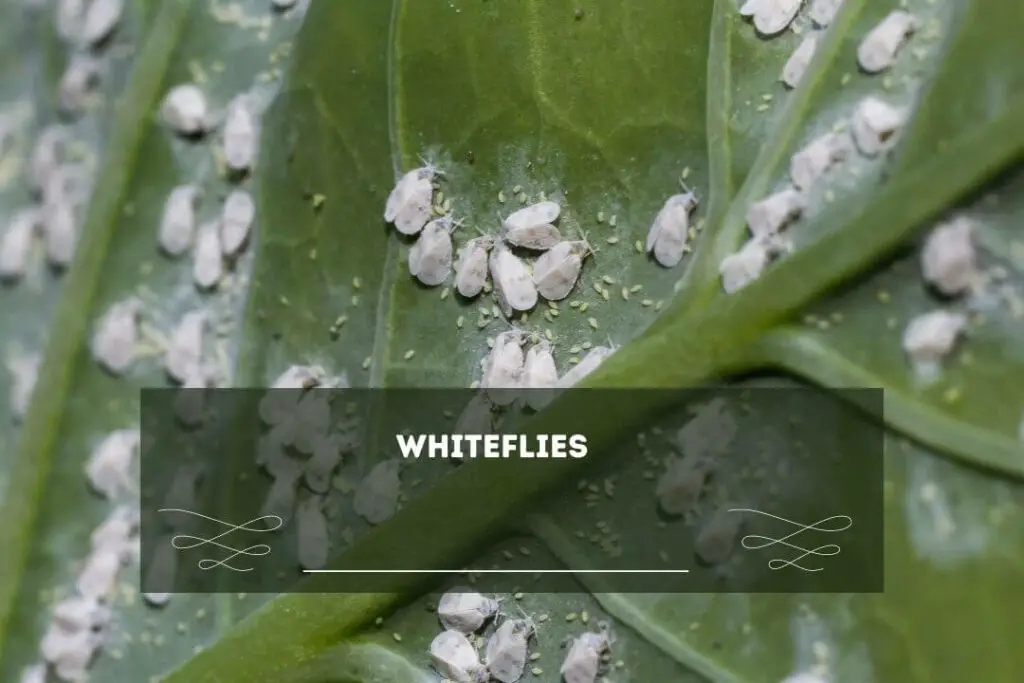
{"points": [[704, 440], [465, 615], [871, 129]]}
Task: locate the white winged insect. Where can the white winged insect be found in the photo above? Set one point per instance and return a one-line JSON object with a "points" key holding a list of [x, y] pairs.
{"points": [[80, 77], [279, 402], [409, 204], [190, 400], [280, 499], [240, 134], [811, 162], [47, 154], [207, 258], [376, 498], [476, 417], [711, 431], [99, 575], [158, 583], [794, 68], [117, 530], [464, 610], [430, 259], [930, 337], [101, 18], [666, 238], [771, 17], [875, 124], [742, 267], [313, 540], [115, 339], [454, 657], [178, 222], [184, 490], [948, 260], [877, 51], [717, 538], [185, 110], [236, 218], [320, 467], [110, 462], [514, 287], [540, 375], [60, 230], [557, 270], [185, 351], [532, 226], [506, 650], [583, 661], [471, 266], [78, 613], [24, 370], [16, 243], [822, 12], [771, 214], [503, 368], [681, 484]]}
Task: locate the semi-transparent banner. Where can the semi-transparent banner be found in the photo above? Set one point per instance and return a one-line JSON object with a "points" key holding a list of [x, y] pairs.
{"points": [[378, 490]]}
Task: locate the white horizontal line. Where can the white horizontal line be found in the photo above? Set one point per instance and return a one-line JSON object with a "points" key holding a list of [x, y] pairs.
{"points": [[496, 571]]}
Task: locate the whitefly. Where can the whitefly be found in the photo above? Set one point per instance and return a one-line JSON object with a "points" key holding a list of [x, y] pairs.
{"points": [[17, 241], [376, 497], [109, 466], [81, 76], [185, 350], [812, 161], [325, 459], [540, 375], [771, 214], [822, 12], [430, 259], [207, 257], [471, 266], [532, 227], [99, 575], [60, 231], [101, 18], [930, 337], [583, 661], [875, 124], [240, 134], [455, 658], [794, 68], [24, 371], [666, 238], [183, 493], [178, 221], [716, 540], [682, 484], [280, 499], [557, 271], [513, 285], [114, 342], [236, 219], [464, 610], [186, 110], [503, 368], [879, 48], [313, 539], [160, 573], [771, 17], [948, 259], [409, 204]]}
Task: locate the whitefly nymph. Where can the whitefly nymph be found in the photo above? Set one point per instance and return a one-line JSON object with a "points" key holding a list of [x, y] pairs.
{"points": [[666, 238]]}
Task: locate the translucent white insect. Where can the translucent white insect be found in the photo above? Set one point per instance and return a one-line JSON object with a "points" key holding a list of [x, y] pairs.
{"points": [[506, 650], [540, 376], [503, 368], [774, 212], [320, 467], [207, 261], [376, 497], [16, 243], [278, 404], [98, 577], [818, 156], [47, 155], [875, 124], [34, 673], [185, 110], [948, 259], [60, 232], [682, 483], [430, 259], [313, 539], [69, 19], [310, 420], [24, 371], [583, 660], [454, 657], [158, 583], [115, 339], [513, 287], [241, 134], [183, 492], [178, 222], [796, 65], [464, 610], [716, 540], [930, 337], [877, 51], [666, 238], [117, 529], [710, 433], [771, 17], [280, 500], [822, 12], [109, 466], [190, 401], [101, 18], [587, 365], [531, 227], [476, 417], [185, 350], [78, 613], [746, 265], [80, 77], [471, 267], [556, 272], [236, 220], [70, 652]]}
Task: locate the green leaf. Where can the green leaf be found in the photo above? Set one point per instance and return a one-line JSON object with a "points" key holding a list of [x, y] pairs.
{"points": [[604, 107]]}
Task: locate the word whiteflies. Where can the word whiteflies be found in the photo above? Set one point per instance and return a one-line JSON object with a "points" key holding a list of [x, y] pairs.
{"points": [[458, 446]]}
